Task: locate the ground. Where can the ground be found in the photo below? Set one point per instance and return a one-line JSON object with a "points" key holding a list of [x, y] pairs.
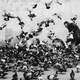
{"points": [[65, 76]]}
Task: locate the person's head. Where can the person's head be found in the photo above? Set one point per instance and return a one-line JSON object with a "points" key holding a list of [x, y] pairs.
{"points": [[66, 23]]}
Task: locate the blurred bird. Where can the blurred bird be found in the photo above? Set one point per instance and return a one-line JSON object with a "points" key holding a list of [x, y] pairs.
{"points": [[47, 6], [74, 19], [7, 16], [55, 14], [34, 6], [20, 22], [57, 1], [31, 15], [3, 26], [40, 29], [9, 40]]}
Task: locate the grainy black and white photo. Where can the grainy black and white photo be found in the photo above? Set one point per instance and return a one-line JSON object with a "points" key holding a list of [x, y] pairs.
{"points": [[39, 39]]}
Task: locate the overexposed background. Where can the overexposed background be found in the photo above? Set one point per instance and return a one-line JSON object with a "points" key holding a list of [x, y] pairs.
{"points": [[67, 10]]}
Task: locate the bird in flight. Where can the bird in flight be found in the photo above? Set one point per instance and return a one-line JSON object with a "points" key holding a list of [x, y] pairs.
{"points": [[7, 16], [31, 15], [48, 5], [58, 16], [21, 23], [9, 40], [3, 26], [57, 1], [34, 6]]}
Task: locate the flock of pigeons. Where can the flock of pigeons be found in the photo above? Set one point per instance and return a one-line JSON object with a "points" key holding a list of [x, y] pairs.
{"points": [[8, 16]]}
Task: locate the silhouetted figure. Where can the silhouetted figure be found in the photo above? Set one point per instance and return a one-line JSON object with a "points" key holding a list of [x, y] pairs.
{"points": [[74, 30], [72, 75]]}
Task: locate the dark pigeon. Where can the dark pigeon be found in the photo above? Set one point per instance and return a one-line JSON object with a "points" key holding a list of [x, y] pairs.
{"points": [[47, 6], [7, 16], [31, 15], [21, 23], [3, 26], [40, 29], [34, 6], [58, 16]]}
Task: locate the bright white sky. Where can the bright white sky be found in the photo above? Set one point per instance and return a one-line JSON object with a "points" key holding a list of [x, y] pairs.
{"points": [[68, 9]]}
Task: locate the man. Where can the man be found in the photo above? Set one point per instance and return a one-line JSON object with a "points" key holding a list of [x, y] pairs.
{"points": [[74, 30]]}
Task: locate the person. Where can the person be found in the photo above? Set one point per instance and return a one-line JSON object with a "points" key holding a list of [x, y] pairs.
{"points": [[72, 75], [74, 30]]}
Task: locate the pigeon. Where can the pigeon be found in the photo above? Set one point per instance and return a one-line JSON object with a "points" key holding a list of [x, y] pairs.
{"points": [[30, 36], [58, 2], [31, 15], [20, 22], [40, 29], [34, 6], [47, 6], [7, 16], [3, 26], [9, 40], [55, 14], [74, 19]]}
